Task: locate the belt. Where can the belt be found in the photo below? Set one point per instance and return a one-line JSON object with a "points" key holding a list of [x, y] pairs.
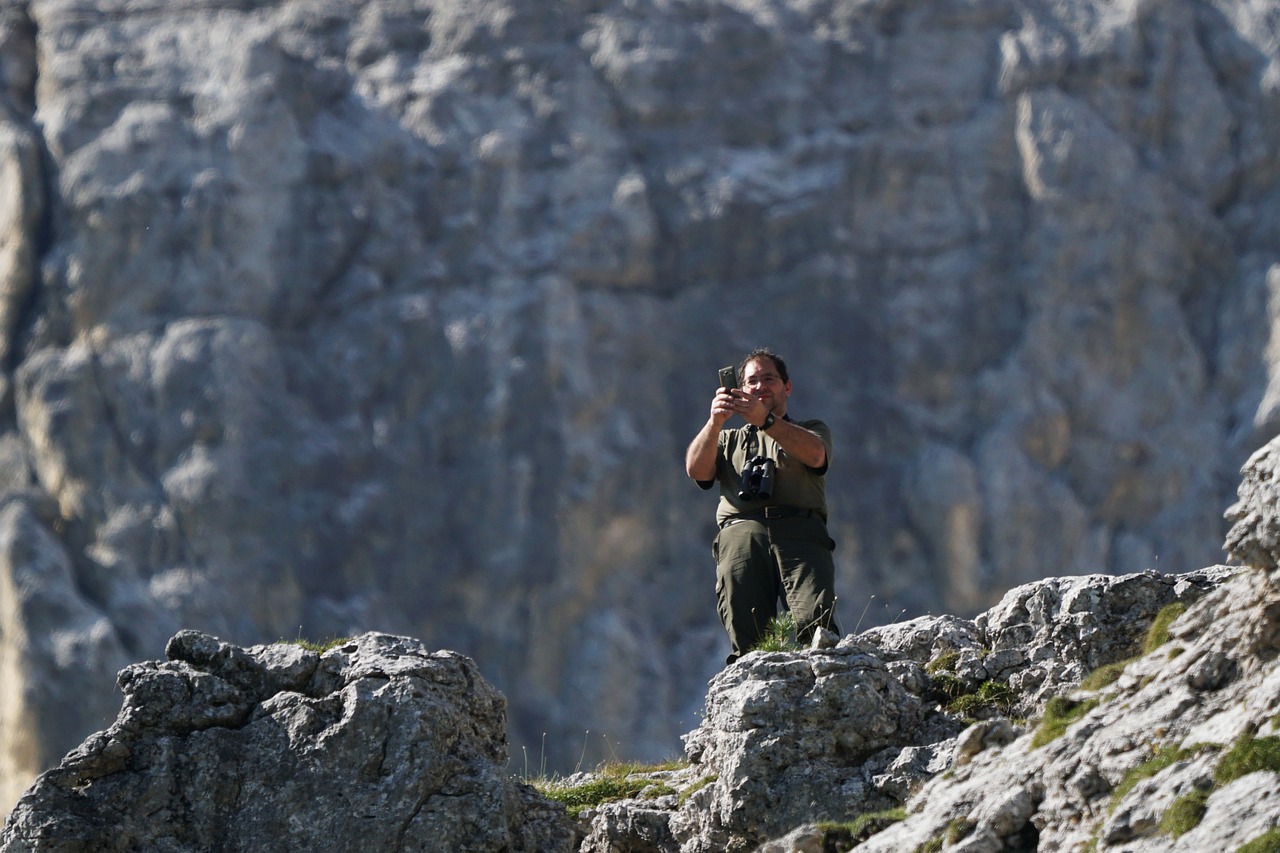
{"points": [[772, 512]]}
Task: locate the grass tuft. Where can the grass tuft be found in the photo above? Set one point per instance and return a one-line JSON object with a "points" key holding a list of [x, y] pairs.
{"points": [[1059, 714], [1268, 842], [1159, 760], [1248, 755], [847, 835], [592, 793], [1103, 676], [696, 787], [958, 830], [990, 695], [1158, 633], [946, 660], [1185, 813], [320, 646], [618, 781]]}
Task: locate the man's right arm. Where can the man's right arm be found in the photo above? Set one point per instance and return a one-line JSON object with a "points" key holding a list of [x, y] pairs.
{"points": [[700, 458]]}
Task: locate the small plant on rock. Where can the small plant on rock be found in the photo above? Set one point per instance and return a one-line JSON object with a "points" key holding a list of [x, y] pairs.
{"points": [[946, 688], [779, 635], [696, 787], [991, 696]]}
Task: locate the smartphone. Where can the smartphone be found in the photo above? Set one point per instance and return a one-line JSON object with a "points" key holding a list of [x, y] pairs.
{"points": [[728, 377]]}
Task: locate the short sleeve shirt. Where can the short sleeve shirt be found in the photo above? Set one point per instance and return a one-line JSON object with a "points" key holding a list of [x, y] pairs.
{"points": [[795, 484]]}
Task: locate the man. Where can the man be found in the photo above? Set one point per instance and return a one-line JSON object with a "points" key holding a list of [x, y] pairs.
{"points": [[773, 541]]}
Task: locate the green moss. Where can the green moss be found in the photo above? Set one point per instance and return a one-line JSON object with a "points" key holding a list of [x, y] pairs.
{"points": [[1103, 676], [1185, 813], [1248, 755], [1268, 842], [1060, 713], [933, 845], [1158, 633], [1175, 651]]}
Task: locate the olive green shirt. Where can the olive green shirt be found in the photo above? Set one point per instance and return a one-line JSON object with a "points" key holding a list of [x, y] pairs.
{"points": [[794, 483]]}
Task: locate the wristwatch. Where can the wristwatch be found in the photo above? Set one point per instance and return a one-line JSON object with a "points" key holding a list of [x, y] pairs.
{"points": [[769, 420]]}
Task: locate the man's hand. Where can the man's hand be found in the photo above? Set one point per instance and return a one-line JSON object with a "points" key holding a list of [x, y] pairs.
{"points": [[724, 405], [752, 409], [700, 458]]}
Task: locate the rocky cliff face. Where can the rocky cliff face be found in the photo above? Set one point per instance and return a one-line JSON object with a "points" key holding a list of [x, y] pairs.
{"points": [[319, 317]]}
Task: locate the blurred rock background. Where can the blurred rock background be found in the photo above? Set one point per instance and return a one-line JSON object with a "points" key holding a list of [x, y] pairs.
{"points": [[319, 317]]}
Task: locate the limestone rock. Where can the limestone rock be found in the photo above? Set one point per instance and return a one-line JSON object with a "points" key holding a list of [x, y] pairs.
{"points": [[1254, 537], [798, 724], [1043, 638], [1154, 726], [377, 744], [790, 741]]}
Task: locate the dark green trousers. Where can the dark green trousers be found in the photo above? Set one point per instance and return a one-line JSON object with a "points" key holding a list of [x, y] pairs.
{"points": [[762, 562]]}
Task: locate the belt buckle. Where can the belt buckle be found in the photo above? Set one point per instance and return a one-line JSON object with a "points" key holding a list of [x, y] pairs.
{"points": [[773, 512]]}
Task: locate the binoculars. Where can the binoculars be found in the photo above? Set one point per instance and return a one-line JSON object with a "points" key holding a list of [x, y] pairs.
{"points": [[757, 479]]}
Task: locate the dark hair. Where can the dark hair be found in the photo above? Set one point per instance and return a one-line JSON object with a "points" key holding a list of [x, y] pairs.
{"points": [[765, 352]]}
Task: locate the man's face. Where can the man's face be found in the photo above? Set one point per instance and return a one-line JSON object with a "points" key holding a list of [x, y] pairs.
{"points": [[760, 379]]}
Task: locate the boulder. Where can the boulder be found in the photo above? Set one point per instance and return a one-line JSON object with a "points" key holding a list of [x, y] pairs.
{"points": [[375, 744]]}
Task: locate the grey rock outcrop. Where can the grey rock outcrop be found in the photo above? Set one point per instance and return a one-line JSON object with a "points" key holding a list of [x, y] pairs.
{"points": [[377, 744], [1167, 723], [793, 724], [320, 317], [793, 739]]}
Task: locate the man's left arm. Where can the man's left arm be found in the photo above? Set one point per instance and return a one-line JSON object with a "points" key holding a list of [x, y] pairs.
{"points": [[799, 443]]}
